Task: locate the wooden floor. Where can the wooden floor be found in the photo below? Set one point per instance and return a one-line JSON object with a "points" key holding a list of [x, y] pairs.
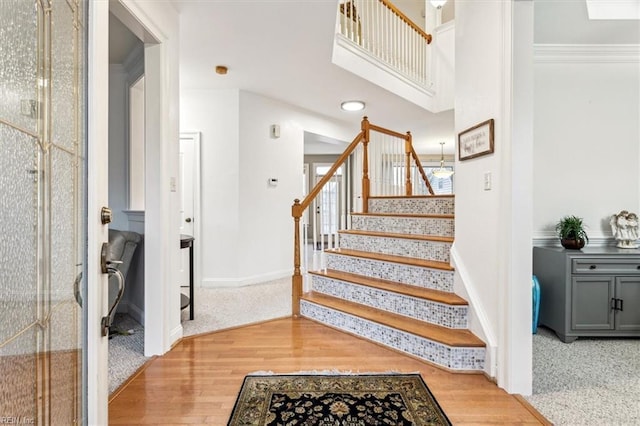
{"points": [[197, 382]]}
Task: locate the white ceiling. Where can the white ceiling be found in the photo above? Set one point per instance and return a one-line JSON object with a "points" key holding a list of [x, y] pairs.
{"points": [[567, 22], [282, 49]]}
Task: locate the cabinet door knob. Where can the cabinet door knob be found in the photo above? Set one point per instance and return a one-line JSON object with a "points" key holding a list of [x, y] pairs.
{"points": [[592, 267]]}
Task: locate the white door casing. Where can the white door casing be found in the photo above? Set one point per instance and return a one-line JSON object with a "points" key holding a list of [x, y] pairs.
{"points": [[97, 197]]}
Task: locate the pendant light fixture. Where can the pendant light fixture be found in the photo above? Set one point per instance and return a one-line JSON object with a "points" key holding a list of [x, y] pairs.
{"points": [[442, 173]]}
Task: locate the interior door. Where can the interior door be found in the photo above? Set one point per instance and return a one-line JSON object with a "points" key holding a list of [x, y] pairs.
{"points": [[188, 172], [43, 297], [187, 167]]}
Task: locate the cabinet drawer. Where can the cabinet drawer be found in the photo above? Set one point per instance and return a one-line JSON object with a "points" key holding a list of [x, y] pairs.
{"points": [[587, 265]]}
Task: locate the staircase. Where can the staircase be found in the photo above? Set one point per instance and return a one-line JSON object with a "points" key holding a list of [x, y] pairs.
{"points": [[390, 281]]}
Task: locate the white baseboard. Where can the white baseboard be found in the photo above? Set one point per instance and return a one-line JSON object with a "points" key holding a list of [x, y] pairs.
{"points": [[479, 323], [175, 335], [136, 313], [245, 281], [126, 307]]}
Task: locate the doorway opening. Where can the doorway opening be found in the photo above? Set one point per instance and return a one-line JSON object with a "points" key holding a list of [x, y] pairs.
{"points": [[127, 174]]}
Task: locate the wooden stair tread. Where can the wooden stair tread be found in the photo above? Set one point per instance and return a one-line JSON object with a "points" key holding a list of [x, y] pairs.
{"points": [[411, 215], [413, 261], [396, 235], [396, 287], [448, 336]]}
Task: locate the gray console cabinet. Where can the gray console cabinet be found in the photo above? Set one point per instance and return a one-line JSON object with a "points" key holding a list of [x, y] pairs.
{"points": [[589, 292]]}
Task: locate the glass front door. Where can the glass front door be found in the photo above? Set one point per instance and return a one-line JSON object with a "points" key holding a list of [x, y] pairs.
{"points": [[42, 211]]}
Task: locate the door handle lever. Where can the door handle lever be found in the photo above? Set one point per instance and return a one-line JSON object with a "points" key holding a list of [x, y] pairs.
{"points": [[105, 262]]}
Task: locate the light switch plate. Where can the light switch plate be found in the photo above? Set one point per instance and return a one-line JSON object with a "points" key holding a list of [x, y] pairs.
{"points": [[487, 181]]}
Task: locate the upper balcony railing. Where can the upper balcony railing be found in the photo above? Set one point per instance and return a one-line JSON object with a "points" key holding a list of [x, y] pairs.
{"points": [[378, 27]]}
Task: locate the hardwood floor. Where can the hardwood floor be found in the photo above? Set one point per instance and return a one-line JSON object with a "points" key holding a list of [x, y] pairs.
{"points": [[198, 380]]}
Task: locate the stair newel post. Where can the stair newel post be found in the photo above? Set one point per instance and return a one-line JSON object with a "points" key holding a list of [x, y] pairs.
{"points": [[407, 150], [296, 279], [365, 165]]}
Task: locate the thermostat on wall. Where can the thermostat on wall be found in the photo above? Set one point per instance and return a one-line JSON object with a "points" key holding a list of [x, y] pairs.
{"points": [[273, 181]]}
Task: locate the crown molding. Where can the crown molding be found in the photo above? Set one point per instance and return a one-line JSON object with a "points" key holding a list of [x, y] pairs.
{"points": [[586, 53]]}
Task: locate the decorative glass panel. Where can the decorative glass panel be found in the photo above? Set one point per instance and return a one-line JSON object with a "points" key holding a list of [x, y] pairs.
{"points": [[63, 75], [63, 225], [42, 211], [64, 362], [18, 66], [18, 227], [18, 393]]}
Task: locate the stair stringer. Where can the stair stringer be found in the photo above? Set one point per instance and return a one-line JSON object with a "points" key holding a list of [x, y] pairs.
{"points": [[477, 318]]}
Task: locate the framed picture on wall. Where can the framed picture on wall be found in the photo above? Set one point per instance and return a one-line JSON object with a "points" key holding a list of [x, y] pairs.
{"points": [[476, 141]]}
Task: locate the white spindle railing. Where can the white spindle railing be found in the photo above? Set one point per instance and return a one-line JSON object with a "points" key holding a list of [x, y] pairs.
{"points": [[387, 164], [328, 213], [386, 33]]}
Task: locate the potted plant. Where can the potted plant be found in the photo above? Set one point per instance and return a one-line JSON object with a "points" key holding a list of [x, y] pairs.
{"points": [[572, 232]]}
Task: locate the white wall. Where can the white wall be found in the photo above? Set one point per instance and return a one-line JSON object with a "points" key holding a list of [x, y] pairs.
{"points": [[118, 146], [587, 137], [443, 58], [487, 255], [265, 211], [216, 114], [247, 228]]}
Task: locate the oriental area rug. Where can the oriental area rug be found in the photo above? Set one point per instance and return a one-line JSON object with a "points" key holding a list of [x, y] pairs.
{"points": [[336, 400]]}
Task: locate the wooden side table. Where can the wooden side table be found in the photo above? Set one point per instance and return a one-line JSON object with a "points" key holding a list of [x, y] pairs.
{"points": [[186, 241]]}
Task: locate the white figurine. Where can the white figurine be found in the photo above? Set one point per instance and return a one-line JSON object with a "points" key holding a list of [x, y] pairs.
{"points": [[624, 226]]}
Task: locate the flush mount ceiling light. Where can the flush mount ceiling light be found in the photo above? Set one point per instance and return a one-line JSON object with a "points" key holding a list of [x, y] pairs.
{"points": [[221, 69], [438, 3], [352, 106], [442, 173]]}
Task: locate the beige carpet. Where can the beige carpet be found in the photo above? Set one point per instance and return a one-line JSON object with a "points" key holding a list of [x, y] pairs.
{"points": [[220, 308]]}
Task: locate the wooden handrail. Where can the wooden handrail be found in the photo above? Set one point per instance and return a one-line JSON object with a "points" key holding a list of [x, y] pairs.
{"points": [[387, 131], [327, 177], [421, 170], [408, 21]]}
